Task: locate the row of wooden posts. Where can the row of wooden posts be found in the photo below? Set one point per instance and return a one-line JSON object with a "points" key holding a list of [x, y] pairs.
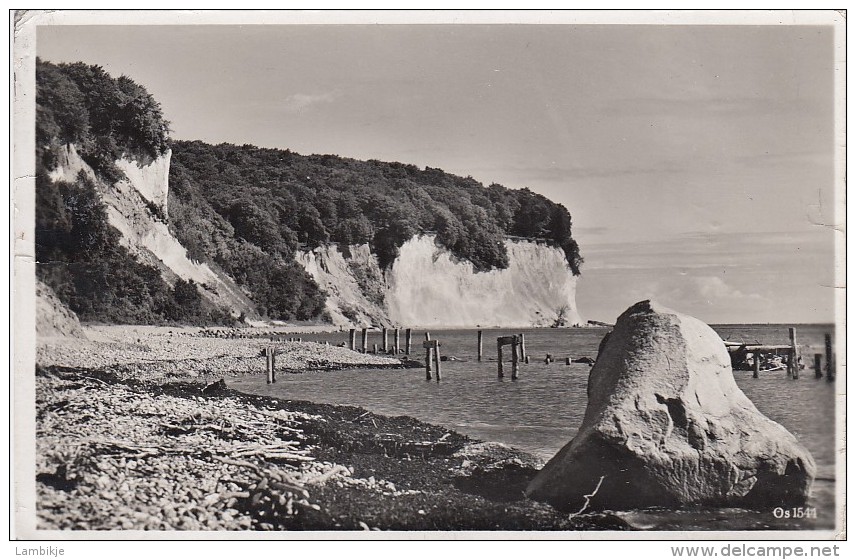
{"points": [[518, 353], [385, 347], [432, 351], [793, 357]]}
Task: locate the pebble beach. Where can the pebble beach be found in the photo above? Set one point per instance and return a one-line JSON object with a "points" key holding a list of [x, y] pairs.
{"points": [[138, 429]]}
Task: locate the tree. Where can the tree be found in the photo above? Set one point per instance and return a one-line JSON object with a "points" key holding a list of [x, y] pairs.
{"points": [[187, 299], [561, 315], [255, 225]]}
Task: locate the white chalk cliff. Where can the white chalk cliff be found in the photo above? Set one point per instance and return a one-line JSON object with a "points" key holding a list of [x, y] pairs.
{"points": [[147, 237], [150, 180], [426, 286], [349, 282]]}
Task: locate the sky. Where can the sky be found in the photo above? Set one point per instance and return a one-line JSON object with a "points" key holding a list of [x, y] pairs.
{"points": [[697, 162]]}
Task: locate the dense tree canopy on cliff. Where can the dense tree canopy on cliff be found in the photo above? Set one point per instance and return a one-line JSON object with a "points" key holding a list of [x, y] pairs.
{"points": [[103, 117], [278, 200], [244, 210]]}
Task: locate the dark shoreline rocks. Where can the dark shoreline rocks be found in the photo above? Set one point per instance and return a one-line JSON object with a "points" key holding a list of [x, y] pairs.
{"points": [[667, 426]]}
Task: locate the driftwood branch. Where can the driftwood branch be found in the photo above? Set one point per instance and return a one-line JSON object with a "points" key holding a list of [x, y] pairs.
{"points": [[327, 475], [588, 498]]}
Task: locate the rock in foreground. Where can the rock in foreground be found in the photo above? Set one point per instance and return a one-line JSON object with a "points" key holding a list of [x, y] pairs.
{"points": [[666, 425]]}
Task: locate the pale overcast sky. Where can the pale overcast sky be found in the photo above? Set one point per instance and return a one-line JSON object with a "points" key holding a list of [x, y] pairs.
{"points": [[697, 162]]}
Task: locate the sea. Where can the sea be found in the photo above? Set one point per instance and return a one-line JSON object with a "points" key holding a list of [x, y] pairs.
{"points": [[542, 410]]}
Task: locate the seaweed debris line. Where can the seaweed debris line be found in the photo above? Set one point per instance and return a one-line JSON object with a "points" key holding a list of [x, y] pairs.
{"points": [[131, 434]]}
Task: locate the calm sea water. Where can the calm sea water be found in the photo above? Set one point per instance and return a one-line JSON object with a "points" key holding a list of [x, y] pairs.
{"points": [[541, 411]]}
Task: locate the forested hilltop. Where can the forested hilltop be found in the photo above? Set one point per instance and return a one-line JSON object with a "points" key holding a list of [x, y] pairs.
{"points": [[244, 210], [78, 254]]}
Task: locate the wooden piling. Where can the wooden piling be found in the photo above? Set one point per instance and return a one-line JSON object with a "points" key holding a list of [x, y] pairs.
{"points": [[385, 348], [480, 337], [437, 359], [757, 369], [374, 348], [269, 364], [499, 371], [515, 366], [526, 360], [567, 361], [830, 365], [352, 339], [522, 346], [793, 358], [818, 371], [427, 356], [408, 341], [397, 347], [365, 340]]}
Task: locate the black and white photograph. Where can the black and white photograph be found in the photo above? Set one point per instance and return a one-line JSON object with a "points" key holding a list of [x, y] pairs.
{"points": [[428, 275]]}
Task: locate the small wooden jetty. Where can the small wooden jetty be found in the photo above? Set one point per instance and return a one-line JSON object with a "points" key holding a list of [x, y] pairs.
{"points": [[776, 357]]}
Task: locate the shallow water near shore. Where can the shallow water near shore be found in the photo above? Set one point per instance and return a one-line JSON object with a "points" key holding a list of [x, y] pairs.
{"points": [[541, 412]]}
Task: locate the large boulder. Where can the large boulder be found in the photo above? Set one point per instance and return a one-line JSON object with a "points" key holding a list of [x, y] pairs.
{"points": [[666, 425]]}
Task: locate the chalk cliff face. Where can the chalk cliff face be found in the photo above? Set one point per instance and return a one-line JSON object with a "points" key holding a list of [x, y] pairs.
{"points": [[68, 164], [145, 235], [354, 284], [427, 287], [150, 180]]}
